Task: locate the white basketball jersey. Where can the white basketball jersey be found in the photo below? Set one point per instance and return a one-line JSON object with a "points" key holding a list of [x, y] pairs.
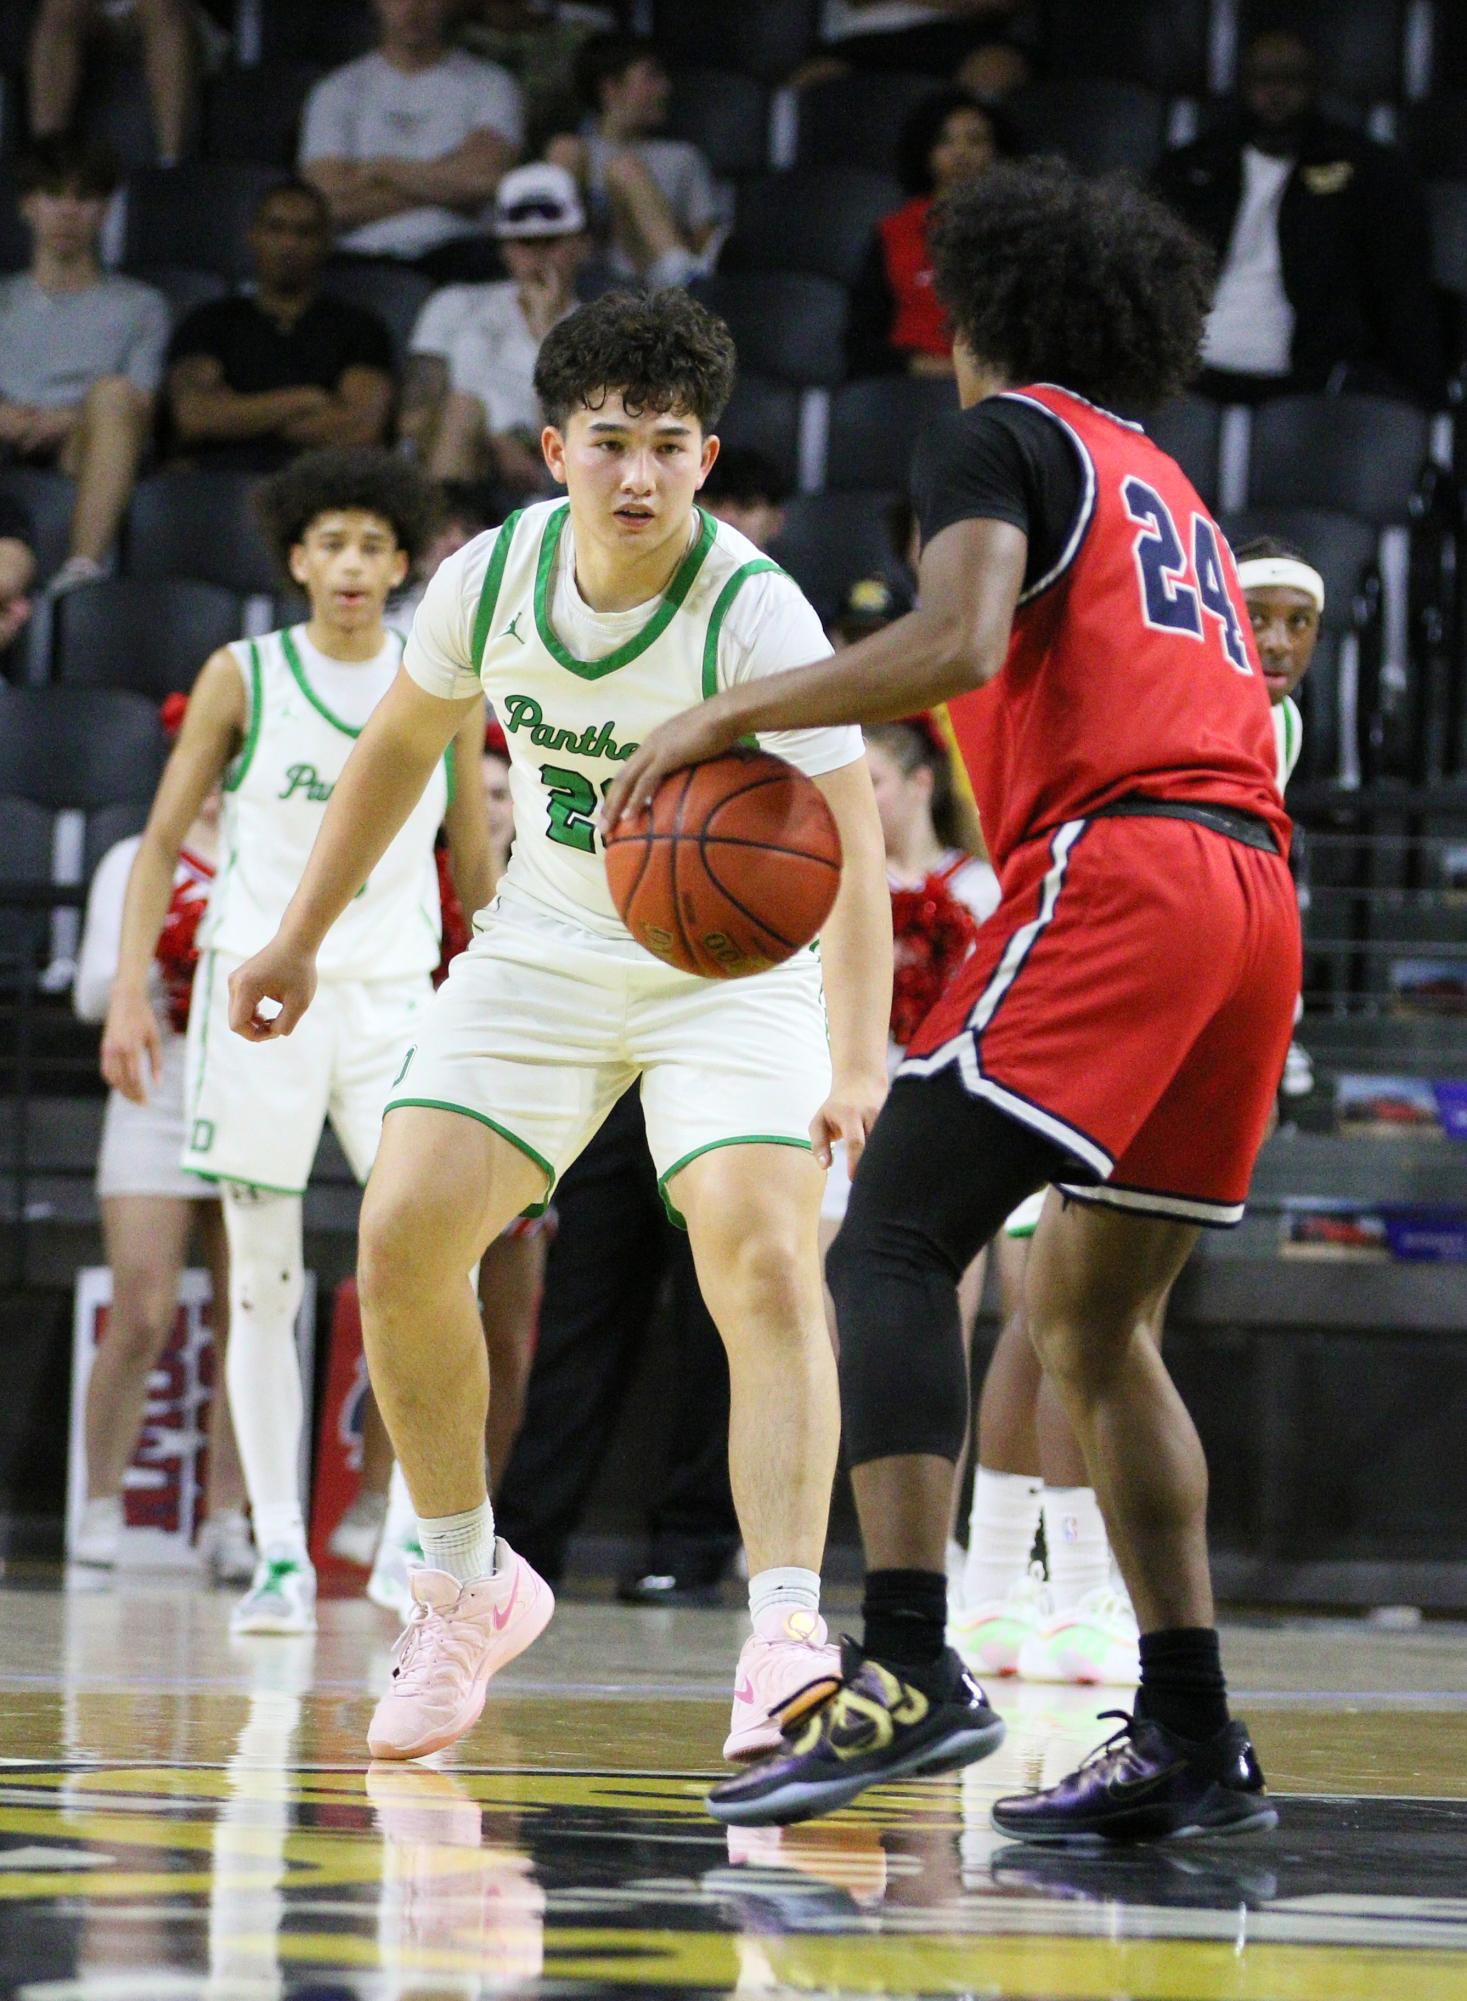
{"points": [[1288, 736], [572, 723], [275, 793]]}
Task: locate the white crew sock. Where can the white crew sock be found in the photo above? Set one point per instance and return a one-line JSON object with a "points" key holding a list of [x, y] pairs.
{"points": [[784, 1589], [1076, 1545], [266, 1281], [463, 1545], [1002, 1525]]}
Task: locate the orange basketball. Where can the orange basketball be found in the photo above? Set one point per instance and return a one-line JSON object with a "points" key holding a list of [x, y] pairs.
{"points": [[732, 869]]}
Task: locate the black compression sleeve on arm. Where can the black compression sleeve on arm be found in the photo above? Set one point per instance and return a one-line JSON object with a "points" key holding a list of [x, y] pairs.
{"points": [[1001, 460]]}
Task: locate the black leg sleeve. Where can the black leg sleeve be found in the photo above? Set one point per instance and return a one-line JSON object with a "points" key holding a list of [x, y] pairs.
{"points": [[940, 1174]]}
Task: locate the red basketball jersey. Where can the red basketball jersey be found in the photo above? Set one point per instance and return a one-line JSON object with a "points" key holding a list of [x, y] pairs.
{"points": [[1131, 667]]}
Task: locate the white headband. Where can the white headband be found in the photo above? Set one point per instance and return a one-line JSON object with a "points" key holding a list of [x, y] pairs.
{"points": [[1261, 573]]}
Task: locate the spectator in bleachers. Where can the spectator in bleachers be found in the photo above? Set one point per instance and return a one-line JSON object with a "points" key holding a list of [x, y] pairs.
{"points": [[960, 41], [471, 406], [652, 201], [462, 509], [17, 570], [284, 367], [81, 351], [748, 491], [169, 31], [1322, 236], [896, 319], [408, 144]]}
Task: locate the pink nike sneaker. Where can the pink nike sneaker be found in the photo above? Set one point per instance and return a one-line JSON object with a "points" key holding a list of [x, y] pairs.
{"points": [[785, 1651], [457, 1637]]}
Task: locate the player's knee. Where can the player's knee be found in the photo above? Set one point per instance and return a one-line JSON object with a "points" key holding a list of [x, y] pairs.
{"points": [[266, 1259], [767, 1277]]}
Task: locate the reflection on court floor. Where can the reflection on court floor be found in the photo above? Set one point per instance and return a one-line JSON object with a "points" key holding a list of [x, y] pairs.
{"points": [[186, 1816]]}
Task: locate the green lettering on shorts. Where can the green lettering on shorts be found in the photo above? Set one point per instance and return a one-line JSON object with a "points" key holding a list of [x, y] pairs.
{"points": [[202, 1136]]}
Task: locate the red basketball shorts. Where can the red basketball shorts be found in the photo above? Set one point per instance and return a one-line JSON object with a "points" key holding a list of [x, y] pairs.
{"points": [[1132, 998]]}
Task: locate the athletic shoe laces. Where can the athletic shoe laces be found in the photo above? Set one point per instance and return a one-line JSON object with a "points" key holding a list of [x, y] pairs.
{"points": [[428, 1641]]}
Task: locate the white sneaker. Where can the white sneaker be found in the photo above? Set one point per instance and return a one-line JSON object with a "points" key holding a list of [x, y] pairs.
{"points": [[99, 1538], [282, 1597], [227, 1549], [1096, 1643], [388, 1585], [991, 1635], [355, 1538]]}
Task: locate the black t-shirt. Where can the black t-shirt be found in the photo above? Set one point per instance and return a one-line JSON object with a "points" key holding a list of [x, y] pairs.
{"points": [[257, 353], [1001, 460]]}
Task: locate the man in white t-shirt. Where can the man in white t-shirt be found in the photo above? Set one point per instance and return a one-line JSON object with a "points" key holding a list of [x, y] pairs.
{"points": [[586, 621], [470, 402], [408, 144]]}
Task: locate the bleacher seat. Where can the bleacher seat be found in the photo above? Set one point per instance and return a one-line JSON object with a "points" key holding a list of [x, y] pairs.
{"points": [[1434, 133], [724, 113], [831, 540], [83, 749], [48, 498], [326, 32], [255, 113], [196, 214], [149, 635], [1097, 123], [25, 859], [199, 524], [1162, 43], [1189, 428], [762, 38], [1360, 455], [394, 293], [765, 416], [875, 423], [855, 121], [185, 287], [1360, 43], [819, 219], [788, 324], [114, 107]]}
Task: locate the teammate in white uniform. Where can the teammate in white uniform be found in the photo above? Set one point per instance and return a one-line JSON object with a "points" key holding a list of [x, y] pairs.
{"points": [[1080, 1626], [274, 719], [587, 622]]}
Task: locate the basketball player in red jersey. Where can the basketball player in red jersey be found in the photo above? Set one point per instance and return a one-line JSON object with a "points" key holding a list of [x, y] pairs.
{"points": [[1119, 1030]]}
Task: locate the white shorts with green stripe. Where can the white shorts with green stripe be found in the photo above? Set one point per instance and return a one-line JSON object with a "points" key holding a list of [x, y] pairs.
{"points": [[255, 1109], [543, 1023]]}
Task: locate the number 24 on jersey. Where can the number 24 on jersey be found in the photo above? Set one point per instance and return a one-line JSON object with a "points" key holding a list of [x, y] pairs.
{"points": [[1178, 595]]}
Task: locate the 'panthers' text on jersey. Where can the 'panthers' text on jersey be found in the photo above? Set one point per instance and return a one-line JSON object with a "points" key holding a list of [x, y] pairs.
{"points": [[576, 690]]}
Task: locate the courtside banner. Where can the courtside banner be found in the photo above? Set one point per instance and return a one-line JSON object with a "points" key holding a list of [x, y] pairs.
{"points": [[163, 1488]]}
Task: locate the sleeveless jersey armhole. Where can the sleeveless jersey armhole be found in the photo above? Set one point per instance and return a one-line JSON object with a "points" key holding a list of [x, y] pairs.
{"points": [[255, 713]]}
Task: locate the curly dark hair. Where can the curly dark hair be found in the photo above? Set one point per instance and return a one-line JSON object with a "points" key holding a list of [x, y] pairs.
{"points": [[922, 128], [324, 482], [1091, 284], [662, 350]]}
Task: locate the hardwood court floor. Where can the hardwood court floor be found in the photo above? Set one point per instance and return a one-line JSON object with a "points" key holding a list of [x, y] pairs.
{"points": [[184, 1816]]}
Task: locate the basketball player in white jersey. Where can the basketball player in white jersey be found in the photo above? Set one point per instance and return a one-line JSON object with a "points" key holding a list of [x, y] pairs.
{"points": [[273, 719], [1079, 1626], [586, 622]]}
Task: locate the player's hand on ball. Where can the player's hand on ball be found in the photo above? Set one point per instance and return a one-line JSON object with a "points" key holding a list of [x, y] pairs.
{"points": [[269, 993], [848, 1114], [132, 1047], [691, 738]]}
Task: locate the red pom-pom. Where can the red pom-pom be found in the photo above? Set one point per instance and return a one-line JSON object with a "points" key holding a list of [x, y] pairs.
{"points": [[932, 934]]}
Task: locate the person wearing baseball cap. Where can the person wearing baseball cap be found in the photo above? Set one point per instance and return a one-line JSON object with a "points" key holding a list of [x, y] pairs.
{"points": [[476, 412]]}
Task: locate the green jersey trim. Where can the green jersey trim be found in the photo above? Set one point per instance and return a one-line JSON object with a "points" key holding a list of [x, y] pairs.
{"points": [[1293, 738], [234, 777], [726, 596], [657, 624], [293, 662], [489, 589], [739, 1139]]}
